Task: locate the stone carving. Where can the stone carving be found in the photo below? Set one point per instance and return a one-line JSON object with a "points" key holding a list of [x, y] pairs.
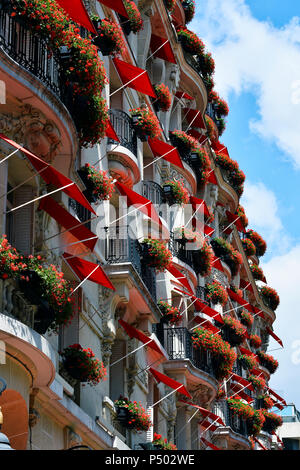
{"points": [[30, 127], [201, 395], [173, 72], [124, 175], [72, 438]]}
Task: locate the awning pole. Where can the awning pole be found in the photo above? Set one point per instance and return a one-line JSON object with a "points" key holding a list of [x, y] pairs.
{"points": [[228, 226], [152, 406], [8, 156], [124, 357], [85, 279], [126, 84], [156, 159], [158, 49]]}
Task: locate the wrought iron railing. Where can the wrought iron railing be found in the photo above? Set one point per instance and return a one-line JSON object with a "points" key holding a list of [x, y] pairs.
{"points": [[120, 247], [122, 124], [179, 251], [30, 51], [201, 293], [230, 419], [179, 345], [82, 213], [154, 192]]}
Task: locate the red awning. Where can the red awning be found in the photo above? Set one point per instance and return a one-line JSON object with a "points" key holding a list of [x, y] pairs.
{"points": [[277, 396], [64, 218], [236, 220], [216, 263], [206, 413], [134, 77], [180, 277], [134, 333], [83, 268], [246, 352], [274, 336], [116, 5], [183, 94], [142, 204], [259, 443], [162, 49], [194, 118], [200, 137], [196, 202], [212, 178], [219, 148], [241, 301], [51, 176], [206, 324], [241, 393], [110, 132], [209, 444], [246, 285], [203, 308], [242, 381], [166, 151], [77, 12], [206, 229], [207, 424], [255, 371], [170, 382]]}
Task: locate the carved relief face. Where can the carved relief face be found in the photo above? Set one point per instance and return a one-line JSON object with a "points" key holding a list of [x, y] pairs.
{"points": [[37, 143], [122, 174]]}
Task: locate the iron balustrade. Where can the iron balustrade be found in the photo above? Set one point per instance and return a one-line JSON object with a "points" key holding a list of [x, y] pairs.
{"points": [[230, 419], [122, 124], [179, 345], [82, 213], [154, 192], [30, 51], [201, 293], [178, 250], [120, 247]]}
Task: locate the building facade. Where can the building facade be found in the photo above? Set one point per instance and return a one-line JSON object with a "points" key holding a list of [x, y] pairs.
{"points": [[114, 108]]}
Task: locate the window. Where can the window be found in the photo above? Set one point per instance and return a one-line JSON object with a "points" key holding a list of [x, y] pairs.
{"points": [[116, 372]]}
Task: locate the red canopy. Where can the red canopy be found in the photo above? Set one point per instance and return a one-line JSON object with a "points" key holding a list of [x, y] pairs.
{"points": [[271, 332], [161, 48], [241, 393], [170, 382], [180, 277], [194, 118], [134, 77], [207, 424], [246, 285], [116, 5], [240, 300], [242, 381], [196, 202], [64, 218], [259, 443], [52, 176], [203, 308], [246, 352], [209, 444], [236, 220], [217, 263], [166, 151], [142, 204], [206, 324], [77, 12], [110, 132], [276, 396], [200, 137], [83, 268], [134, 333], [212, 178], [183, 94], [219, 148], [206, 413]]}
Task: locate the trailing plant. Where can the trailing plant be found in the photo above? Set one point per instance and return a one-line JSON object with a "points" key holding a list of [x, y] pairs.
{"points": [[258, 383], [163, 443], [257, 272], [258, 241], [84, 71], [138, 418], [272, 421], [201, 250], [190, 41], [223, 355], [146, 122], [170, 5], [189, 9], [11, 262], [249, 247], [255, 341], [209, 83], [158, 255], [172, 314], [82, 364], [112, 32], [268, 361], [227, 253], [267, 402], [211, 128], [246, 318], [206, 63], [234, 330], [101, 184], [134, 16], [179, 193], [204, 260], [222, 107], [242, 215], [248, 362], [164, 97], [254, 418], [216, 293], [226, 163], [184, 142], [270, 297]]}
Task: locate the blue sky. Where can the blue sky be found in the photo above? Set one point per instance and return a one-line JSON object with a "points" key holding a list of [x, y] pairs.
{"points": [[256, 47]]}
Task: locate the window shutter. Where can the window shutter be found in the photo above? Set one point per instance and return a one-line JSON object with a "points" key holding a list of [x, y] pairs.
{"points": [[149, 437], [116, 375], [23, 220]]}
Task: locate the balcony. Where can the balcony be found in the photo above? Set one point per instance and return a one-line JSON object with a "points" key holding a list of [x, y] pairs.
{"points": [[154, 192], [231, 420], [178, 344], [81, 212], [122, 124], [178, 250], [120, 248]]}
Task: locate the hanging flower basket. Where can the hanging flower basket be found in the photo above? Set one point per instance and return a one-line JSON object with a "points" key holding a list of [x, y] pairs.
{"points": [[132, 415], [145, 123], [227, 253], [110, 37], [211, 128], [161, 443], [254, 418], [258, 241], [216, 293], [242, 215], [272, 421], [163, 101], [134, 22], [246, 318], [206, 64], [267, 361], [189, 9], [170, 314], [270, 297], [223, 355], [175, 192], [11, 262], [82, 365], [185, 143], [233, 331], [265, 402], [190, 41], [258, 383], [200, 160], [156, 254], [255, 341], [99, 185], [247, 362], [209, 83], [257, 272]]}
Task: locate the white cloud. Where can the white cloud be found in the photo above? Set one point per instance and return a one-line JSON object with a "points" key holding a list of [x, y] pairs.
{"points": [[255, 56]]}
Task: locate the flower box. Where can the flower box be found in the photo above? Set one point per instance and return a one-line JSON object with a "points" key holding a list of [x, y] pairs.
{"points": [[175, 192], [98, 184], [82, 365], [145, 123], [88, 192], [132, 415], [272, 421], [233, 331], [123, 416], [189, 10], [170, 314], [156, 254], [110, 37]]}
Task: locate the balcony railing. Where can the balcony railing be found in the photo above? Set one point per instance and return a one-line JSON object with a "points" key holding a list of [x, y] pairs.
{"points": [[120, 247], [30, 51], [230, 419], [178, 250], [154, 192], [13, 304], [178, 344], [82, 213], [122, 124]]}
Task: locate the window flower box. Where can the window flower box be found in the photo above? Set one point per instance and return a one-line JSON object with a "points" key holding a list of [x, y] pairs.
{"points": [[189, 9], [216, 293], [270, 297], [247, 362], [246, 318], [175, 192], [132, 415], [145, 123], [134, 22], [82, 365], [253, 418], [234, 332], [170, 314], [258, 241], [110, 38], [257, 272], [272, 421], [161, 443], [267, 361], [164, 98], [255, 341], [227, 253], [156, 254], [98, 184], [190, 41], [258, 383]]}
